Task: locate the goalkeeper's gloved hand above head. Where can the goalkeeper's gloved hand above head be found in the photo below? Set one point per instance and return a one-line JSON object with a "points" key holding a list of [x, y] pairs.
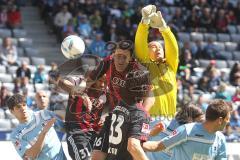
{"points": [[146, 12], [157, 21]]}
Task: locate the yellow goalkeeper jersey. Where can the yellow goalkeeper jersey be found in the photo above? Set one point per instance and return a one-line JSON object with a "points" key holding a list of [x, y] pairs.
{"points": [[163, 75]]}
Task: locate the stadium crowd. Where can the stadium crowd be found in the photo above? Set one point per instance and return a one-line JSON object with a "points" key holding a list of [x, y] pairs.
{"points": [[204, 71]]}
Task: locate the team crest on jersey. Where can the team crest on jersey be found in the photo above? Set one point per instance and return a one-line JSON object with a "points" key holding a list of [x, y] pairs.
{"points": [[174, 132], [145, 128], [17, 144]]}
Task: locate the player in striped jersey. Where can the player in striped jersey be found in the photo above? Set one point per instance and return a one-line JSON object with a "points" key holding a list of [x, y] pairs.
{"points": [[34, 137], [195, 141], [83, 114]]}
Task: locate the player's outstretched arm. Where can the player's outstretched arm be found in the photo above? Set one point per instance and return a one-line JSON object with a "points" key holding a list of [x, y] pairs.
{"points": [[171, 46], [153, 146], [34, 151], [141, 37], [135, 149]]}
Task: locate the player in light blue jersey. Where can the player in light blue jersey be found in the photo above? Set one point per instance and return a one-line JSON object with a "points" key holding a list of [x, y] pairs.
{"points": [[189, 113], [198, 141], [34, 137]]}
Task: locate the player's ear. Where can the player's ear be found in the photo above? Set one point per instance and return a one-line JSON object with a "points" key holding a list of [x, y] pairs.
{"points": [[220, 120]]}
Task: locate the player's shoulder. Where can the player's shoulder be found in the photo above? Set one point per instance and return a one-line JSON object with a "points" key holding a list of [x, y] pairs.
{"points": [[191, 127], [220, 135], [43, 114]]}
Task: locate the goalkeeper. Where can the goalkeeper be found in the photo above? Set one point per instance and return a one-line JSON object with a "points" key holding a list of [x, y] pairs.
{"points": [[161, 62]]}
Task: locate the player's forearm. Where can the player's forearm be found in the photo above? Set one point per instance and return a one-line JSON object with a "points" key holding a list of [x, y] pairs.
{"points": [[153, 146], [135, 149], [171, 48], [34, 151], [65, 85], [141, 43]]}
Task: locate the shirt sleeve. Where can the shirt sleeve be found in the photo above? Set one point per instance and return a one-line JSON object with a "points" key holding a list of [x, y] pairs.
{"points": [[101, 69], [141, 43], [171, 49], [20, 145], [177, 137], [59, 124], [222, 155]]}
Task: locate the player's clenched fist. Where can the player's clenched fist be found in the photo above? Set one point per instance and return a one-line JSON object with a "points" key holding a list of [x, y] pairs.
{"points": [[157, 21], [146, 12]]}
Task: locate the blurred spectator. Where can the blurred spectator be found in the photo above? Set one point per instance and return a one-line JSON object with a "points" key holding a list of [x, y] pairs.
{"points": [[97, 47], [187, 60], [197, 50], [234, 76], [8, 52], [178, 20], [236, 96], [127, 11], [210, 50], [237, 12], [39, 75], [115, 11], [84, 28], [53, 71], [192, 22], [69, 29], [29, 100], [231, 17], [223, 76], [214, 80], [211, 65], [3, 17], [42, 100], [203, 84], [235, 119], [24, 83], [96, 20], [60, 20], [230, 136], [23, 71], [72, 7], [56, 100], [206, 20], [111, 35], [4, 95], [14, 17], [17, 85], [221, 21], [202, 103], [221, 93]]}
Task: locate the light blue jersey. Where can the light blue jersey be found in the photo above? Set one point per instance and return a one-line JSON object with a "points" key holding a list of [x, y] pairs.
{"points": [[26, 134], [166, 154], [192, 142]]}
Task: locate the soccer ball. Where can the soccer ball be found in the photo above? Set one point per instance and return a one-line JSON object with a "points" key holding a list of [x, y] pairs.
{"points": [[72, 47]]}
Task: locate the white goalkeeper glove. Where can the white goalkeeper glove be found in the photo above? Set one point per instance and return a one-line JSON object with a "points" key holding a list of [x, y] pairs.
{"points": [[157, 21], [146, 12]]}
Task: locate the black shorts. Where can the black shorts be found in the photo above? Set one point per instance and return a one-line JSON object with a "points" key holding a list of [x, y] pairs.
{"points": [[102, 139], [80, 144]]}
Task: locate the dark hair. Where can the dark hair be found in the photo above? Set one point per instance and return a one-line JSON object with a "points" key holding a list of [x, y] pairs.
{"points": [[15, 100], [188, 114], [217, 108], [137, 85]]}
